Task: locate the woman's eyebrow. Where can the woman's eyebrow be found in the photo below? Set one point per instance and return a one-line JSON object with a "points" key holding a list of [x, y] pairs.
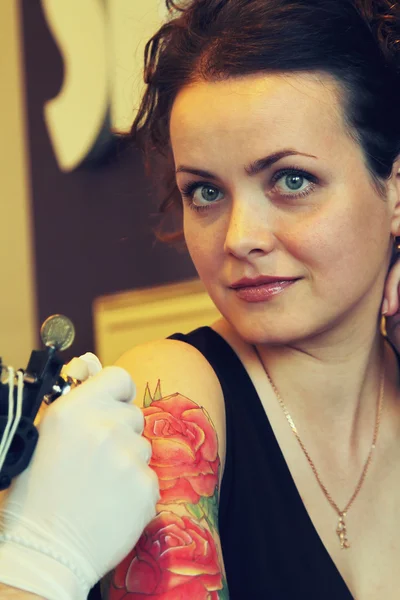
{"points": [[263, 163], [253, 169]]}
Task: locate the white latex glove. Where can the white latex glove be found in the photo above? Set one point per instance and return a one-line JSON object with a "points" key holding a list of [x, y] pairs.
{"points": [[83, 367], [87, 495]]}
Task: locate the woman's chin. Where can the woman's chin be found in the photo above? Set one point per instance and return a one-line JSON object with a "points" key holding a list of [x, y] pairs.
{"points": [[272, 336], [280, 332]]}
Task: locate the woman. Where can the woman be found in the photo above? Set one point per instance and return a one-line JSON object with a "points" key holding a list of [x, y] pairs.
{"points": [[278, 121]]}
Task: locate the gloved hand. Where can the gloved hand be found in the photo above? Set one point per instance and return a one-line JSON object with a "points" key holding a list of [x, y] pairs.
{"points": [[87, 495]]}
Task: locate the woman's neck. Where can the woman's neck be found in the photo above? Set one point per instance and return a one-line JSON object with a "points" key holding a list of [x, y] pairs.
{"points": [[331, 387], [335, 390]]}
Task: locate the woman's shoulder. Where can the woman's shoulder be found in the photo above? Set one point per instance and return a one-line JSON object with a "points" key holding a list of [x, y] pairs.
{"points": [[174, 363], [174, 376]]}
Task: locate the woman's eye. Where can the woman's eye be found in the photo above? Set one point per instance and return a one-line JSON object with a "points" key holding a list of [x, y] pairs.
{"points": [[295, 183], [201, 195]]}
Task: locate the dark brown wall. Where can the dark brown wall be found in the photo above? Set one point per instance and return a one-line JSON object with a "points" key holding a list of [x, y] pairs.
{"points": [[92, 227]]}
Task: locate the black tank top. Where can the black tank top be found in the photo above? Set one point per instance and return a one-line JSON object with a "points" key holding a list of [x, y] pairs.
{"points": [[270, 546]]}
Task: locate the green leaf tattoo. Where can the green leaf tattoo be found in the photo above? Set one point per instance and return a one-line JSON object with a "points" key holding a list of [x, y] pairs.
{"points": [[195, 510], [224, 593], [209, 507], [157, 394], [147, 400], [206, 508]]}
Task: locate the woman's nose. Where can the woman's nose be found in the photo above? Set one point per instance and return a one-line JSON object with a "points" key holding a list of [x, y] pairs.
{"points": [[248, 232]]}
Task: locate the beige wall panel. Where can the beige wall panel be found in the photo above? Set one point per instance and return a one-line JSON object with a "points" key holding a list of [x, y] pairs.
{"points": [[125, 320], [17, 303], [132, 24]]}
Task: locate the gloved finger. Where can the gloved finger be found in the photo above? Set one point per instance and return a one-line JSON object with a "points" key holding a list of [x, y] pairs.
{"points": [[149, 475], [77, 369], [80, 368], [83, 367], [114, 415], [105, 398], [93, 363], [114, 382], [134, 446], [143, 448]]}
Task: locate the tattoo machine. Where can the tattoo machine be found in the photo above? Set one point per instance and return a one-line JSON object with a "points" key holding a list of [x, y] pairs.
{"points": [[23, 391]]}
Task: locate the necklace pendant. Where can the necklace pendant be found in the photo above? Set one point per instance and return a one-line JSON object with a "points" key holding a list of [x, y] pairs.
{"points": [[342, 532]]}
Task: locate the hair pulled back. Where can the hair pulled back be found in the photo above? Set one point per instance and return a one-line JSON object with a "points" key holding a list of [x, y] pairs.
{"points": [[355, 41]]}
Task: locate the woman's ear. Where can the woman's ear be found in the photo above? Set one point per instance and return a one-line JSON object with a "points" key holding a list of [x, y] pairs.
{"points": [[394, 198]]}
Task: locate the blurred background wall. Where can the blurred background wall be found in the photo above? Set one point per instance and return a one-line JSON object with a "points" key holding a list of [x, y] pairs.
{"points": [[17, 296], [78, 211]]}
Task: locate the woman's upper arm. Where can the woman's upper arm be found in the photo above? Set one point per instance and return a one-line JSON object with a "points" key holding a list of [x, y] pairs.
{"points": [[179, 553]]}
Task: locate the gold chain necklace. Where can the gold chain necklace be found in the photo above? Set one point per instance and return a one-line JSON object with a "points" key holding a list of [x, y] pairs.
{"points": [[341, 529]]}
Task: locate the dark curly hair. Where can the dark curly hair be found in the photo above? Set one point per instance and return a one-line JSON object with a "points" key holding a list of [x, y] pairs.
{"points": [[357, 42]]}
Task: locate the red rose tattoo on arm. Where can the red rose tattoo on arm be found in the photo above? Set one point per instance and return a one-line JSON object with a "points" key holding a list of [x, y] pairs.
{"points": [[177, 556], [185, 449]]}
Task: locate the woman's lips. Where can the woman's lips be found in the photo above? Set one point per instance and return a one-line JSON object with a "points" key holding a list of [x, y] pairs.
{"points": [[262, 292]]}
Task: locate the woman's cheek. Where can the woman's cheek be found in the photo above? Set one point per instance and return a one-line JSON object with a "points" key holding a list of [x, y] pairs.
{"points": [[205, 246]]}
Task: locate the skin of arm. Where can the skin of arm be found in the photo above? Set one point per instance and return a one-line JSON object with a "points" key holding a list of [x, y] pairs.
{"points": [[179, 554], [14, 594]]}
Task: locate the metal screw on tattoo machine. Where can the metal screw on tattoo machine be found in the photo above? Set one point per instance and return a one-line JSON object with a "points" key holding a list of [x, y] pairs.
{"points": [[23, 391]]}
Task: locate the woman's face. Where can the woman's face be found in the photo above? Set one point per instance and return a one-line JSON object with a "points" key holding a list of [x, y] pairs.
{"points": [[276, 192]]}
